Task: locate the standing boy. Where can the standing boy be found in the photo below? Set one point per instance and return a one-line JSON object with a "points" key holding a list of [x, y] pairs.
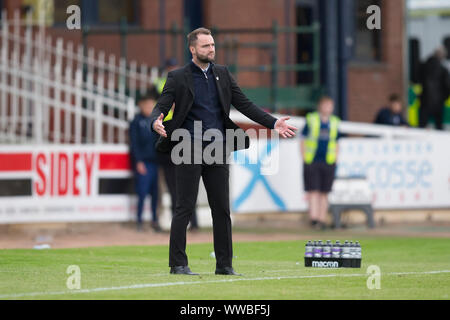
{"points": [[144, 157]]}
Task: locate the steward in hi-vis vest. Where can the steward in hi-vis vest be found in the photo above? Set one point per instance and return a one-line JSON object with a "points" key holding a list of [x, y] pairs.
{"points": [[312, 140], [320, 152]]}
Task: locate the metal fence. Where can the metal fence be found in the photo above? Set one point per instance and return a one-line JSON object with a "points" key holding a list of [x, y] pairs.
{"points": [[56, 92], [230, 45]]}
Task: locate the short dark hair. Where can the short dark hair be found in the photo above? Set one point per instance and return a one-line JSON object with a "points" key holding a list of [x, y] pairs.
{"points": [[172, 62], [192, 37], [394, 97], [151, 94], [325, 98]]}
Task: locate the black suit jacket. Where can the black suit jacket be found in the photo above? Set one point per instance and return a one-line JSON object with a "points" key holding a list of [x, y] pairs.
{"points": [[179, 88]]}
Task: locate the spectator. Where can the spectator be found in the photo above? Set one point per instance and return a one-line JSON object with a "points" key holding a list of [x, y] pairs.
{"points": [[392, 115], [320, 152], [144, 158], [436, 89]]}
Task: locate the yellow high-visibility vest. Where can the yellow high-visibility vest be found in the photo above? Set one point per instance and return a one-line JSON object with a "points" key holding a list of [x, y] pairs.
{"points": [[312, 141], [159, 84], [169, 116]]}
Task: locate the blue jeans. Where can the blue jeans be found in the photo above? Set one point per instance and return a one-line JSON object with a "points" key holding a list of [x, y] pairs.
{"points": [[147, 185]]}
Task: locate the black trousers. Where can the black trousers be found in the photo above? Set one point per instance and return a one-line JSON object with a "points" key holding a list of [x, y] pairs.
{"points": [[216, 180], [169, 176], [425, 114]]}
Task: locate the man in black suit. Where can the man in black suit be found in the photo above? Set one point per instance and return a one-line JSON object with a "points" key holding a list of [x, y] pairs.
{"points": [[203, 92], [435, 82]]}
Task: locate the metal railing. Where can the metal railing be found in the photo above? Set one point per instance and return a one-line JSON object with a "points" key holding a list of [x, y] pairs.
{"points": [[360, 129], [228, 45], [52, 92]]}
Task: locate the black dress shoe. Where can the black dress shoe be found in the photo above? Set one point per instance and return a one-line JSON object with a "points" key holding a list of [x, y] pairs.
{"points": [[182, 270], [227, 271]]}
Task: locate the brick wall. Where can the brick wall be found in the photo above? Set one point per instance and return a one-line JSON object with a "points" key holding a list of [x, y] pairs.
{"points": [[141, 48], [252, 14], [370, 85]]}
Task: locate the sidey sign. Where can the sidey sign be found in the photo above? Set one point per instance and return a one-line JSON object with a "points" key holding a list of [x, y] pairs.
{"points": [[62, 173]]}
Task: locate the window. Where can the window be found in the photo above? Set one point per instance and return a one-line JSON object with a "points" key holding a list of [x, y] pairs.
{"points": [[414, 60], [367, 42], [305, 15]]}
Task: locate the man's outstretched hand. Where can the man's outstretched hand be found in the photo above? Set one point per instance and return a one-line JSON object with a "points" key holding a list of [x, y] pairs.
{"points": [[159, 127], [283, 129]]}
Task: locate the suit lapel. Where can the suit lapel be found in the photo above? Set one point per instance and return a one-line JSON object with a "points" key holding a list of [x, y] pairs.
{"points": [[189, 80], [219, 88]]}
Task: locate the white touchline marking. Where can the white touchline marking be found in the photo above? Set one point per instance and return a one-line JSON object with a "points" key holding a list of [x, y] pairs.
{"points": [[181, 283]]}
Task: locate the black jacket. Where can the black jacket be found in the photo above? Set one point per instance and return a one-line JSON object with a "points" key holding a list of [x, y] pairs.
{"points": [[142, 140], [387, 117], [435, 83], [179, 88]]}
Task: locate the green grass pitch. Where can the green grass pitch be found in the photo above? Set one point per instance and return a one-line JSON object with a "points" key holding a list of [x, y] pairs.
{"points": [[411, 268]]}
